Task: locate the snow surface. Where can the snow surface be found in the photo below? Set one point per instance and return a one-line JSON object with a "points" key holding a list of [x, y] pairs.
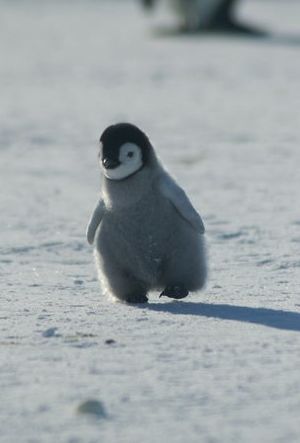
{"points": [[223, 112]]}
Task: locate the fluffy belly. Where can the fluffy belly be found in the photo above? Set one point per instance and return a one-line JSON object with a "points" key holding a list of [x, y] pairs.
{"points": [[137, 243]]}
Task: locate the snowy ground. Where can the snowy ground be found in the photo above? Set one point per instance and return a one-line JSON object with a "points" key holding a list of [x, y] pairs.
{"points": [[223, 113]]}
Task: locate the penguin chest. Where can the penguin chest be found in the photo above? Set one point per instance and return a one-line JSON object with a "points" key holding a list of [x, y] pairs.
{"points": [[145, 234], [141, 234]]}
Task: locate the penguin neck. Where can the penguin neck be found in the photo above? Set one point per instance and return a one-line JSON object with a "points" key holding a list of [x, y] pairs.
{"points": [[119, 194]]}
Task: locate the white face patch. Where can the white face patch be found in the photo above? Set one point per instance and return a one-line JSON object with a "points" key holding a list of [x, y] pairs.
{"points": [[130, 158]]}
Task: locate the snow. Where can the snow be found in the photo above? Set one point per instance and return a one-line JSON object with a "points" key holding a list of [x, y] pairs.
{"points": [[223, 114]]}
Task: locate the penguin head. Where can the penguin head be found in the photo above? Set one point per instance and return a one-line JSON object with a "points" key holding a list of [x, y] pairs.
{"points": [[124, 150]]}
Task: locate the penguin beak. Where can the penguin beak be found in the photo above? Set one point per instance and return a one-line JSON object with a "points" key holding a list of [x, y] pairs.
{"points": [[110, 163]]}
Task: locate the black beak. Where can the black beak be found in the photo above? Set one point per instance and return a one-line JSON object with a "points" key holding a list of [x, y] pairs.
{"points": [[110, 163]]}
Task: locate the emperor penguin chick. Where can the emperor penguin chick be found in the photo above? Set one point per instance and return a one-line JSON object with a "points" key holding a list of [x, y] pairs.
{"points": [[147, 233]]}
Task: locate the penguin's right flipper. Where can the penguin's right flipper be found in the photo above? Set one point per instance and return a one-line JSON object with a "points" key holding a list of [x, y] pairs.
{"points": [[95, 221], [176, 195]]}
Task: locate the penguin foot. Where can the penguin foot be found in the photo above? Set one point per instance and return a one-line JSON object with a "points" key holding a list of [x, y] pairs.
{"points": [[136, 298], [175, 291]]}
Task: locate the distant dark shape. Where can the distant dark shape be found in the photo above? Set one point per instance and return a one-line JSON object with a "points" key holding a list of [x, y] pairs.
{"points": [[148, 3], [93, 408], [208, 16], [110, 341]]}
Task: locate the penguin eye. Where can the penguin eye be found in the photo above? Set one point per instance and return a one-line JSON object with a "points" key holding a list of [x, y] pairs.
{"points": [[129, 153]]}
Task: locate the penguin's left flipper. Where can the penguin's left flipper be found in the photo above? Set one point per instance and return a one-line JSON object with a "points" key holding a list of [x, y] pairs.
{"points": [[95, 221], [176, 195]]}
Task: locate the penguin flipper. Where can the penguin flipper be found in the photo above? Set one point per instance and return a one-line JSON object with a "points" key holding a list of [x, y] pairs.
{"points": [[94, 222], [176, 195]]}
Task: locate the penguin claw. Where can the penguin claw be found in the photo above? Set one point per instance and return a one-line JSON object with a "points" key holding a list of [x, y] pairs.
{"points": [[177, 291]]}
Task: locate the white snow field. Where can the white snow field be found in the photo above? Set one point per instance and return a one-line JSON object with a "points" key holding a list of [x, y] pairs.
{"points": [[222, 365]]}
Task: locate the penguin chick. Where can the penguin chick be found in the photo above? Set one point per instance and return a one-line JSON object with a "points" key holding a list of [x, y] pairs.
{"points": [[147, 233]]}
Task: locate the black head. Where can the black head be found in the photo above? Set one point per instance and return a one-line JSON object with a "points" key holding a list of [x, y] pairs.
{"points": [[125, 149]]}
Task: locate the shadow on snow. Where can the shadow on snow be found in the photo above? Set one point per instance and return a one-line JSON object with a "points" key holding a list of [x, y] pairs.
{"points": [[286, 320], [283, 39]]}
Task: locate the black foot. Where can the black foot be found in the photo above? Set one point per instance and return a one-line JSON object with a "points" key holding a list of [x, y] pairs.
{"points": [[136, 298], [175, 291]]}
